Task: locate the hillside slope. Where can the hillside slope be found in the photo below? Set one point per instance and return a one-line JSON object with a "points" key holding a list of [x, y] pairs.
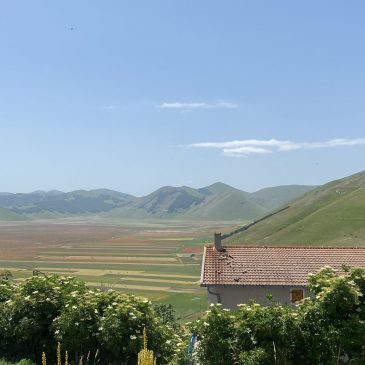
{"points": [[7, 215], [215, 202], [331, 214], [55, 202], [228, 203], [274, 197], [218, 201]]}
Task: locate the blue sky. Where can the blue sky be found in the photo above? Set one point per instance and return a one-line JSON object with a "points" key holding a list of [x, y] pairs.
{"points": [[127, 94]]}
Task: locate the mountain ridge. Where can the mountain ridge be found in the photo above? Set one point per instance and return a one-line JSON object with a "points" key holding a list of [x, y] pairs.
{"points": [[216, 201]]}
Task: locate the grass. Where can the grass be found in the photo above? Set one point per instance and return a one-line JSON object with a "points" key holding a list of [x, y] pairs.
{"points": [[333, 214]]}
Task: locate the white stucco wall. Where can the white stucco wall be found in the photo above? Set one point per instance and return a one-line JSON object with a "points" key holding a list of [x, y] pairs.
{"points": [[231, 296]]}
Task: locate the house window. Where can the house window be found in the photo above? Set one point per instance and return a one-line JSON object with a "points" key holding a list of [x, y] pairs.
{"points": [[296, 295]]}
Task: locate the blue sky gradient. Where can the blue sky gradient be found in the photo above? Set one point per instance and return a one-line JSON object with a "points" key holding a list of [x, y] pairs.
{"points": [[114, 93]]}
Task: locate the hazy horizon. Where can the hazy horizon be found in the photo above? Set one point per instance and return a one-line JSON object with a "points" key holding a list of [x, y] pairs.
{"points": [[126, 192]]}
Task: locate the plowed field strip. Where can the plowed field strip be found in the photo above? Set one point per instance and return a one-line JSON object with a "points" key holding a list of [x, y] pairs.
{"points": [[173, 239], [103, 254], [130, 273], [168, 281], [111, 258], [142, 287], [124, 248], [126, 244], [94, 263]]}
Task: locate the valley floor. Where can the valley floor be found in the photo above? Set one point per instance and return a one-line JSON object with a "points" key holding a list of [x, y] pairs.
{"points": [[159, 260]]}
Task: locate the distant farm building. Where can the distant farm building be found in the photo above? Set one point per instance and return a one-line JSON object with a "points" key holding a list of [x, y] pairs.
{"points": [[237, 274]]}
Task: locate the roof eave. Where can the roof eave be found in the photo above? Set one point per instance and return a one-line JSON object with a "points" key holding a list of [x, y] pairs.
{"points": [[203, 265], [205, 285]]}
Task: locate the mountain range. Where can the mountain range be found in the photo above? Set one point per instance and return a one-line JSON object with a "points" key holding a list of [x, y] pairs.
{"points": [[330, 214], [215, 202]]}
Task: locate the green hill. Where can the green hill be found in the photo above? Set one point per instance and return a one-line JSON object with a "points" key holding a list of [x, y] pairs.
{"points": [[274, 197], [215, 202], [226, 203], [55, 203], [7, 215], [333, 214]]}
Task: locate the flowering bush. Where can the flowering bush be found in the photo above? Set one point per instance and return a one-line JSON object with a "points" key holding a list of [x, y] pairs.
{"points": [[107, 327], [325, 329], [26, 317], [121, 330], [37, 313], [77, 324]]}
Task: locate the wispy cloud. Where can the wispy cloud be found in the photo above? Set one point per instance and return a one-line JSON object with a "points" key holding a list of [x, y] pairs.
{"points": [[197, 105], [245, 148]]}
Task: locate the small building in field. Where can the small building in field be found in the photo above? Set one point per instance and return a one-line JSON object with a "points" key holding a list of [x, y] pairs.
{"points": [[238, 274]]}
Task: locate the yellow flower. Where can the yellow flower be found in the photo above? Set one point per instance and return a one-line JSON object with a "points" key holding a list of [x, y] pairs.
{"points": [[145, 356]]}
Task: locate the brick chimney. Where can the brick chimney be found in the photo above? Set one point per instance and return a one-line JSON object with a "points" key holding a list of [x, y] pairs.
{"points": [[218, 242]]}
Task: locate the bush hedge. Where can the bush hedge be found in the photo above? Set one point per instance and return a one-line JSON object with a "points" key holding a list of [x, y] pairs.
{"points": [[325, 329], [107, 327], [39, 312]]}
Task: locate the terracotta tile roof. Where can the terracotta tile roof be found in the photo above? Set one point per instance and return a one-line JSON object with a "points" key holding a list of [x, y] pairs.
{"points": [[243, 265]]}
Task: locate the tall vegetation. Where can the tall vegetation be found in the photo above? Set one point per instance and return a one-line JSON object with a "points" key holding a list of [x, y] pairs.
{"points": [[106, 327], [145, 356], [327, 328]]}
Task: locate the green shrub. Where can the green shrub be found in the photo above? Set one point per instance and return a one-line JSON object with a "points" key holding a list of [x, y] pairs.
{"points": [[320, 330], [5, 362], [107, 327], [21, 362], [39, 312], [25, 362], [27, 316]]}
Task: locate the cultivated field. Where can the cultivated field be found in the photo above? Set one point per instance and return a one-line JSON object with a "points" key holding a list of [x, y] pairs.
{"points": [[160, 260]]}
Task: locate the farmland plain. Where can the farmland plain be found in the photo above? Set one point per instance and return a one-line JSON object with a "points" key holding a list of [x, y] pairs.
{"points": [[159, 260]]}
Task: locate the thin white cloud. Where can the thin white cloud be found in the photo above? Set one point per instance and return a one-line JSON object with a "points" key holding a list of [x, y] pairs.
{"points": [[198, 105], [245, 148]]}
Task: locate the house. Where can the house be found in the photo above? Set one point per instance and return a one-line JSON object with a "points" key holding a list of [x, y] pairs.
{"points": [[237, 274]]}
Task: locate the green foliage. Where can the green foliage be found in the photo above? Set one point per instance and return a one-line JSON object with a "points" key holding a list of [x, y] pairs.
{"points": [[5, 291], [256, 356], [39, 312], [320, 330], [25, 362], [21, 362], [27, 316], [216, 329], [167, 314], [121, 331]]}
